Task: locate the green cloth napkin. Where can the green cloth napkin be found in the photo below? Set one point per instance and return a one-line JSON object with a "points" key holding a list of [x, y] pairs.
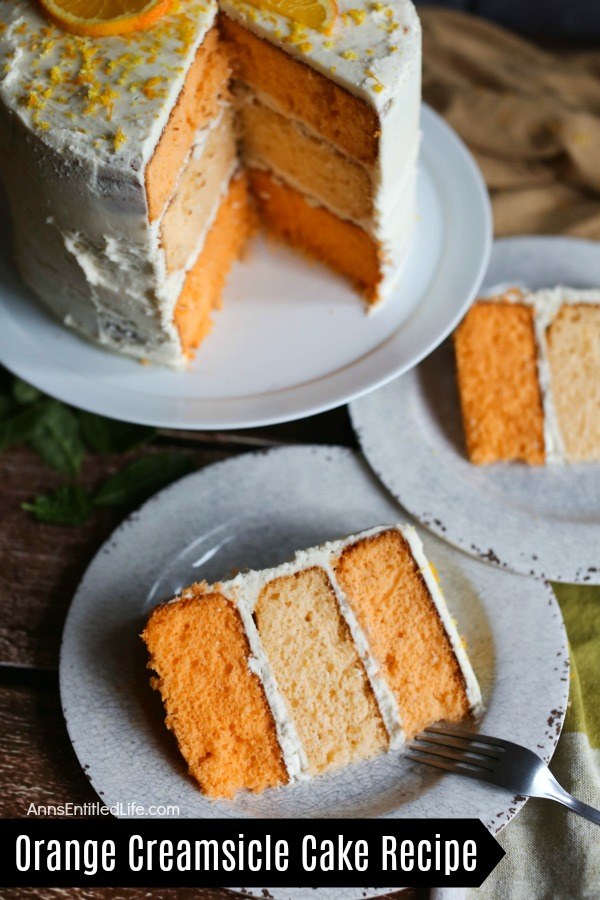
{"points": [[551, 852]]}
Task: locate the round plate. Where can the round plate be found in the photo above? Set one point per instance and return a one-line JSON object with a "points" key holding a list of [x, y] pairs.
{"points": [[537, 521], [255, 510], [292, 339]]}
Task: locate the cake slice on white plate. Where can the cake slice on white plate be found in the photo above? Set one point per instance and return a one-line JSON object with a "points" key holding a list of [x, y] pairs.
{"points": [[288, 673]]}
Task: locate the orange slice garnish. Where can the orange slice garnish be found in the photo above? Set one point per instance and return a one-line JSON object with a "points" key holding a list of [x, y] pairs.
{"points": [[317, 14], [99, 18]]}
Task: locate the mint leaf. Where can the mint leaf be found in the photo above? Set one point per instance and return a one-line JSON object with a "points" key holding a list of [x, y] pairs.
{"points": [[68, 505], [21, 426], [24, 393], [56, 438], [51, 429], [141, 478], [109, 436]]}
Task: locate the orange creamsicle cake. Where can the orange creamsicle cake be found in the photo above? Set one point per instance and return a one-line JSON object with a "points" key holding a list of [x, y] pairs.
{"points": [[129, 160], [528, 368], [284, 674]]}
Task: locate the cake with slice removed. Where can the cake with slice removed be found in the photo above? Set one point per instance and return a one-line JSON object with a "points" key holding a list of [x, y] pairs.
{"points": [[130, 192], [528, 366], [288, 673]]}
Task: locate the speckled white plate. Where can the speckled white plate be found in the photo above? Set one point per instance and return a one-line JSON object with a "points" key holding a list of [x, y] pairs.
{"points": [[537, 521], [255, 510], [292, 339]]}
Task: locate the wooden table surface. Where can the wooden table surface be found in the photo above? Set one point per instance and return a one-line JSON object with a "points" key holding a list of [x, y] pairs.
{"points": [[40, 567]]}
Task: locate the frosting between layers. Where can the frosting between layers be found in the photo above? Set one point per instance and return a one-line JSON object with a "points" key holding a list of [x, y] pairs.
{"points": [[546, 305], [244, 591]]}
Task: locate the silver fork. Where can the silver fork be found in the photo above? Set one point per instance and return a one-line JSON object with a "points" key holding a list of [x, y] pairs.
{"points": [[490, 759]]}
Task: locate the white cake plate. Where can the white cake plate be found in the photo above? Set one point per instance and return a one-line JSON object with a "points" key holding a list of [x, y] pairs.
{"points": [[254, 511], [292, 339], [541, 521]]}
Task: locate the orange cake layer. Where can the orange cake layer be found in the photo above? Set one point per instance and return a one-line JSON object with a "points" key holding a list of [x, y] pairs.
{"points": [[346, 247], [214, 705], [198, 190], [390, 598], [204, 90], [306, 162], [299, 91], [225, 241], [573, 341], [501, 403], [319, 671]]}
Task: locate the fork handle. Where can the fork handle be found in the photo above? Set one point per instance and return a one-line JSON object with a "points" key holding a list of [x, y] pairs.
{"points": [[582, 809]]}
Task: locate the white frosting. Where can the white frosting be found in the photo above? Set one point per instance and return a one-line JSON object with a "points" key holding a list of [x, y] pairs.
{"points": [[546, 306], [244, 590]]}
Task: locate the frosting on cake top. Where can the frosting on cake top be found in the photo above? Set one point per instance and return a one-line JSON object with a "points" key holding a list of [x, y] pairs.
{"points": [[106, 98], [373, 49]]}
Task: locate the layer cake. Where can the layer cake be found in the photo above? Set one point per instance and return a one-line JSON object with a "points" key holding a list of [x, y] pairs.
{"points": [[285, 674], [129, 160], [528, 368]]}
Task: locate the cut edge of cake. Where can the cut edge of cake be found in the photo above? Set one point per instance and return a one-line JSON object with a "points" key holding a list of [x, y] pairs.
{"points": [[244, 592]]}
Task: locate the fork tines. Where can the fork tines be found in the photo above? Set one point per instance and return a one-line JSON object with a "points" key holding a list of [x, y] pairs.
{"points": [[457, 731], [445, 747]]}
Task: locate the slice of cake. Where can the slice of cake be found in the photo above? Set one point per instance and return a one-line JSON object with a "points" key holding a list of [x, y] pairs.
{"points": [[128, 187], [528, 369], [288, 673]]}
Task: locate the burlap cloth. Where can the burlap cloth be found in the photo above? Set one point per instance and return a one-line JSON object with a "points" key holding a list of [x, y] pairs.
{"points": [[530, 116]]}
